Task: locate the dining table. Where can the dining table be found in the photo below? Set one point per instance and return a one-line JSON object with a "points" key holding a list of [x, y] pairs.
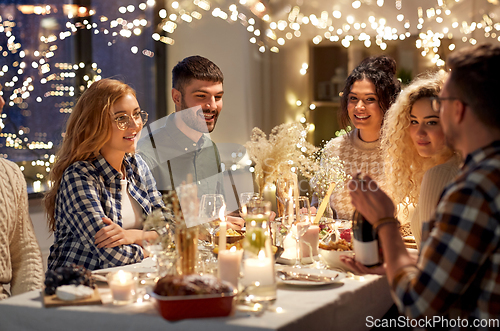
{"points": [[346, 304]]}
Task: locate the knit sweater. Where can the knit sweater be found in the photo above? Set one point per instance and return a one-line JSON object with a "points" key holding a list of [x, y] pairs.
{"points": [[434, 181], [358, 156], [20, 257]]}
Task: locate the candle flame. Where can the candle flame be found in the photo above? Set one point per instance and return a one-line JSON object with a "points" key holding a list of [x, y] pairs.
{"points": [[232, 249], [222, 211]]}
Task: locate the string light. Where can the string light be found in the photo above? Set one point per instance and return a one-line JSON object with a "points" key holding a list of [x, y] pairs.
{"points": [[268, 31]]}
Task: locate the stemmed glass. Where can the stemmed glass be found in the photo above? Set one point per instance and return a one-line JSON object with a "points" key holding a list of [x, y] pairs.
{"points": [[157, 221], [302, 221], [210, 207], [284, 195]]}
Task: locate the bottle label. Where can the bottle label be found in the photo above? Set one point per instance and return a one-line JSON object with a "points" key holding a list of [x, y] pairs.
{"points": [[366, 252]]}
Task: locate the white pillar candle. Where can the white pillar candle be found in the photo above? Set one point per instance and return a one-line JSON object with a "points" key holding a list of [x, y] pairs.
{"points": [[229, 265], [258, 270], [312, 237], [122, 285], [222, 229], [289, 244]]}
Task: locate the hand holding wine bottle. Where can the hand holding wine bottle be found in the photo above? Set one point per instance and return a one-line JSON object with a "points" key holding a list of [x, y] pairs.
{"points": [[365, 240], [369, 199]]}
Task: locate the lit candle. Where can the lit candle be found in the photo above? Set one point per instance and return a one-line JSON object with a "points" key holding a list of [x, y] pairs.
{"points": [[312, 237], [258, 271], [122, 285], [290, 206], [37, 186], [229, 265], [296, 194], [222, 229]]}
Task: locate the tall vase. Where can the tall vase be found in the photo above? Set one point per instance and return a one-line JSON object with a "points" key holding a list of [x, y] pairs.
{"points": [[186, 244]]}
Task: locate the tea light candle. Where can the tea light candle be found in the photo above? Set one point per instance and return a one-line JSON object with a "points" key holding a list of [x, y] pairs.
{"points": [[312, 237], [222, 229], [229, 265], [258, 270], [122, 285]]}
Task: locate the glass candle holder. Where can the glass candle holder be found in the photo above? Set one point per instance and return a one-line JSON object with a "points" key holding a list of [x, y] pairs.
{"points": [[258, 282], [123, 286]]}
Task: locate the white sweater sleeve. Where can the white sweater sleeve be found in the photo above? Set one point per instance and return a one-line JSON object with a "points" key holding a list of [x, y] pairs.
{"points": [[433, 184], [27, 267]]}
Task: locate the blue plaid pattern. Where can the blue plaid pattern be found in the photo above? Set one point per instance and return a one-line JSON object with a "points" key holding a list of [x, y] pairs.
{"points": [[91, 190], [458, 273]]}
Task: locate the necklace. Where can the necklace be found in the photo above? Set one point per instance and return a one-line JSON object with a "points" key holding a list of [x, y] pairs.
{"points": [[359, 136]]}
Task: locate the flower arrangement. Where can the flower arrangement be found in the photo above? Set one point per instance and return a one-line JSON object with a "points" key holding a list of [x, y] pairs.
{"points": [[330, 170], [285, 149]]}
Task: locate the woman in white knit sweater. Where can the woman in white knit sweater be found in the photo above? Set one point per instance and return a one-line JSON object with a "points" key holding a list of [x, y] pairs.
{"points": [[418, 163], [370, 90], [20, 258]]}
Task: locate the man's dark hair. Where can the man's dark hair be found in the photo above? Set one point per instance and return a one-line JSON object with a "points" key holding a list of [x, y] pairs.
{"points": [[381, 71], [473, 79], [195, 67]]}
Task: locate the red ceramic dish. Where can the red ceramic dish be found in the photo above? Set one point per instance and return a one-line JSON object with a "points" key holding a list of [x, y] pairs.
{"points": [[174, 308]]}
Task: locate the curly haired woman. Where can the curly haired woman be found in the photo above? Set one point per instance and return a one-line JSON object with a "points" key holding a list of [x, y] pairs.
{"points": [[370, 90], [418, 163]]}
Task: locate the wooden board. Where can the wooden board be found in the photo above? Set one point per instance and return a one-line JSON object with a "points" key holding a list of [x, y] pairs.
{"points": [[53, 301]]}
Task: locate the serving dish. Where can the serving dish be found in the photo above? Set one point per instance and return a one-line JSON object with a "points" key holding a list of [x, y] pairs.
{"points": [[174, 308], [236, 236], [332, 258]]}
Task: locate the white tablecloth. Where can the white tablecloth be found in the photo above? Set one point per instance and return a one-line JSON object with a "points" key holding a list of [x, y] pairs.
{"points": [[332, 307]]}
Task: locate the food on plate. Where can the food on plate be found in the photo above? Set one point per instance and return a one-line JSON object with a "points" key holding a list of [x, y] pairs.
{"points": [[340, 245], [238, 244], [346, 235], [74, 292], [230, 233], [190, 285], [69, 275]]}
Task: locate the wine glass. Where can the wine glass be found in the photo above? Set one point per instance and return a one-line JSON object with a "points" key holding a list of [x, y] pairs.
{"points": [[210, 207], [247, 196], [302, 221], [157, 221], [284, 195]]}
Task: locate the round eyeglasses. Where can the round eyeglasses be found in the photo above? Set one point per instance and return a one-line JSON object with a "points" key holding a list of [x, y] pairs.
{"points": [[436, 102], [123, 121]]}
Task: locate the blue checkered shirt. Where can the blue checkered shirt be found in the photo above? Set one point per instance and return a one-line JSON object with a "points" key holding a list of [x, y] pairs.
{"points": [[91, 190]]}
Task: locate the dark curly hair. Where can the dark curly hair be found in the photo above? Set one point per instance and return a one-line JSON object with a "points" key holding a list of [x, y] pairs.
{"points": [[381, 71]]}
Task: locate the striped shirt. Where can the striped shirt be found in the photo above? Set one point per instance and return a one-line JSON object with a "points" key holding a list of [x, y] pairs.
{"points": [[458, 273], [91, 190]]}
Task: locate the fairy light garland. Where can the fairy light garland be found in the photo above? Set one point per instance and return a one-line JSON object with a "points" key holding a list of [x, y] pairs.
{"points": [[266, 31]]}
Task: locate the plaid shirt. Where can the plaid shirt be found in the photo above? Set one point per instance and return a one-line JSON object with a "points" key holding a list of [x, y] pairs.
{"points": [[458, 273], [90, 190]]}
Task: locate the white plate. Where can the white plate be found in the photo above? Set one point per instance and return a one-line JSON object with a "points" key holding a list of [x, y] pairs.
{"points": [[305, 260], [319, 272], [146, 266]]}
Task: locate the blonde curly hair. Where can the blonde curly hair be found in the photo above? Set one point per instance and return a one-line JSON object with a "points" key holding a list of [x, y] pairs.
{"points": [[404, 167]]}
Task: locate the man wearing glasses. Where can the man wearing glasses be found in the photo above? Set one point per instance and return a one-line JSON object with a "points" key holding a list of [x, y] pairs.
{"points": [[182, 148], [456, 280]]}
